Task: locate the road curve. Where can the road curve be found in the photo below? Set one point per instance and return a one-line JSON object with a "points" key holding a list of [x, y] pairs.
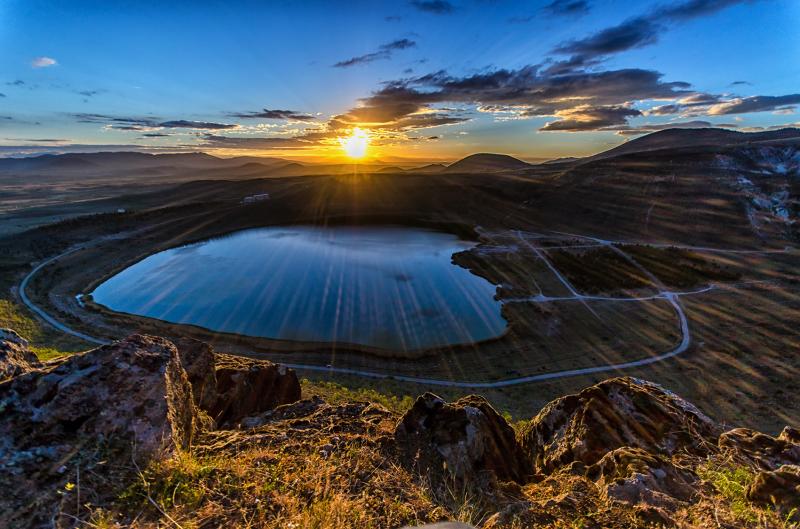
{"points": [[672, 297], [40, 312]]}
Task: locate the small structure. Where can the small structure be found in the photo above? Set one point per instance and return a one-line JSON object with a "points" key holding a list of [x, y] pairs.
{"points": [[252, 199]]}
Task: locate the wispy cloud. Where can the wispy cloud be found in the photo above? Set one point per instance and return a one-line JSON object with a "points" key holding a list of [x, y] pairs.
{"points": [[567, 7], [437, 7], [384, 52], [633, 33], [291, 115], [43, 62], [132, 123]]}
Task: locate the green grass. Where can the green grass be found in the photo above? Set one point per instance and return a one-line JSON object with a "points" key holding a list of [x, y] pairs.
{"points": [[45, 342], [731, 482]]}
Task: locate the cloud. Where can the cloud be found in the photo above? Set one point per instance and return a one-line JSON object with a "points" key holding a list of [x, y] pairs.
{"points": [[694, 8], [131, 123], [583, 118], [631, 34], [567, 7], [18, 82], [741, 83], [647, 128], [585, 100], [384, 52], [274, 114], [230, 142], [155, 135], [43, 62], [437, 7], [90, 93], [39, 140], [635, 32], [742, 105], [715, 105], [2, 94]]}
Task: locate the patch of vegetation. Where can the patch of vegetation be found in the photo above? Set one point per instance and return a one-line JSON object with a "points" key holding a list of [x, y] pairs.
{"points": [[334, 393], [731, 481], [676, 267], [599, 270], [275, 487], [46, 343]]}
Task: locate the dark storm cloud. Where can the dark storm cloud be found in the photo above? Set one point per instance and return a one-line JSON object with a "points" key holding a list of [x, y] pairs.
{"points": [[567, 7], [585, 118], [274, 114], [635, 32], [437, 7], [384, 52], [742, 105]]}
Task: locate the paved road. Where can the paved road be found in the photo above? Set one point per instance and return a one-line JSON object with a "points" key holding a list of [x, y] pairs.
{"points": [[40, 312], [671, 297]]}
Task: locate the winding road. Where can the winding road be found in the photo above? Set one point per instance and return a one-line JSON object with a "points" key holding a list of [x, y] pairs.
{"points": [[671, 297]]}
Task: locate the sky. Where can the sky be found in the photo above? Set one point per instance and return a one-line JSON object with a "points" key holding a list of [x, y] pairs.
{"points": [[429, 80]]}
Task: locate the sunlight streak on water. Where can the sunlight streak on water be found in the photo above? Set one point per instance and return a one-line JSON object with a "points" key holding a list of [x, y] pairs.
{"points": [[389, 287]]}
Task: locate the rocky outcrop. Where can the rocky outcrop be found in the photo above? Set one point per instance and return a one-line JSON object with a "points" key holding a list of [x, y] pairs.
{"points": [[762, 450], [15, 358], [635, 476], [616, 413], [247, 387], [779, 489], [132, 396], [467, 437], [134, 400], [199, 362]]}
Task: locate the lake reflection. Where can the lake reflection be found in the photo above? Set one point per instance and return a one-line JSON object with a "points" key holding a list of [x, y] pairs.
{"points": [[390, 287]]}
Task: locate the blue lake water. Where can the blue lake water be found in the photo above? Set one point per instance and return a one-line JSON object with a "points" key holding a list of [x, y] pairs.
{"points": [[386, 286]]}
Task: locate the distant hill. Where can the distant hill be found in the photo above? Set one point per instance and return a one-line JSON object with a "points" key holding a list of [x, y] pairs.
{"points": [[677, 138], [486, 162], [429, 169]]}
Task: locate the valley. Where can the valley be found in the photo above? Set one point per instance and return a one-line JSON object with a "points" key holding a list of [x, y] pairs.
{"points": [[636, 263]]}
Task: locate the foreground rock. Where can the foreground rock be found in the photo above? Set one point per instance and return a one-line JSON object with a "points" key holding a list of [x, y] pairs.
{"points": [[133, 393], [15, 358], [779, 489], [138, 399], [468, 438], [247, 387], [616, 413]]}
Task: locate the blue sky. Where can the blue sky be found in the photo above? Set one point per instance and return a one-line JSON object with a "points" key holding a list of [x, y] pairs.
{"points": [[431, 79]]}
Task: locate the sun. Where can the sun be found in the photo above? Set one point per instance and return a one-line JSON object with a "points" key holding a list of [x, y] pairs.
{"points": [[355, 145]]}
